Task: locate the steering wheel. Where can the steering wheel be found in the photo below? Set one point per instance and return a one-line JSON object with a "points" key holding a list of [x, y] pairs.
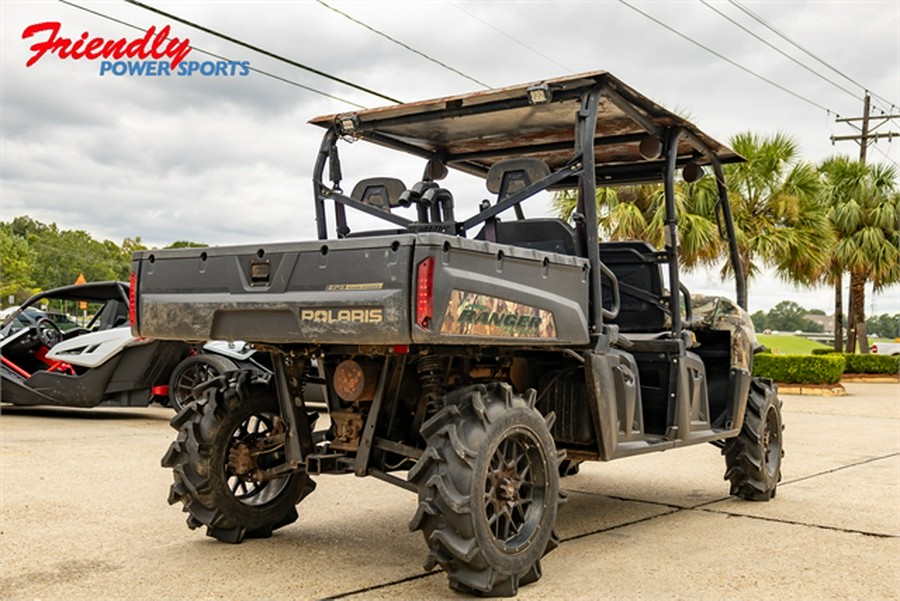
{"points": [[48, 332]]}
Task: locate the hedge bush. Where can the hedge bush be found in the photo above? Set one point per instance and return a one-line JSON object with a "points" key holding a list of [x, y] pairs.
{"points": [[871, 364], [865, 364], [799, 369]]}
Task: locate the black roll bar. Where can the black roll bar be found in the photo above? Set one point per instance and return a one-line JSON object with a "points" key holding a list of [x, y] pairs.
{"points": [[585, 125], [671, 228]]}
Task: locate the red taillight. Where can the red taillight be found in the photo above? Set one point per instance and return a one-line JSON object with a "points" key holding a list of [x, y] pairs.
{"points": [[132, 302], [425, 293]]}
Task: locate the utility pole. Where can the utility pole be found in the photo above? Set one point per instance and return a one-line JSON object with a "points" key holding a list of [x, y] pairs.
{"points": [[867, 134]]}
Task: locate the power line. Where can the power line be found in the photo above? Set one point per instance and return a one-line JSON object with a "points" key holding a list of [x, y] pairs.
{"points": [[402, 45], [514, 39], [784, 36], [262, 51], [775, 48], [218, 56], [887, 156], [727, 60]]}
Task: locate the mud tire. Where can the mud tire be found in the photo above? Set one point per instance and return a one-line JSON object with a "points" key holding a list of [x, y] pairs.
{"points": [[753, 459], [229, 501], [488, 488]]}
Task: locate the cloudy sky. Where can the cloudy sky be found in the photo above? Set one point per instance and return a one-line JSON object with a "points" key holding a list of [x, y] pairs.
{"points": [[226, 159]]}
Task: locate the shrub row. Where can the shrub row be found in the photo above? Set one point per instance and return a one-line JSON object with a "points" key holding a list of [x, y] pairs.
{"points": [[799, 369], [865, 364]]}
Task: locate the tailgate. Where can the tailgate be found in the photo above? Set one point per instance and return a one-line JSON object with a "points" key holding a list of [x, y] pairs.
{"points": [[352, 291]]}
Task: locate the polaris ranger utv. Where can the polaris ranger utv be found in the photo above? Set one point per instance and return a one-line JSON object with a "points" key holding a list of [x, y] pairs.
{"points": [[469, 360]]}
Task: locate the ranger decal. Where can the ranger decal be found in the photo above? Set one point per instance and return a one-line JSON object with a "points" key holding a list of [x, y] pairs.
{"points": [[471, 314]]}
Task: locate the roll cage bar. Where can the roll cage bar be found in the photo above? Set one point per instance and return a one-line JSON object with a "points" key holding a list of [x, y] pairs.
{"points": [[617, 137]]}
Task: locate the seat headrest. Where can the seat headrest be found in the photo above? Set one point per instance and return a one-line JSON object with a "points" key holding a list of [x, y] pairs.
{"points": [[381, 192], [510, 175]]}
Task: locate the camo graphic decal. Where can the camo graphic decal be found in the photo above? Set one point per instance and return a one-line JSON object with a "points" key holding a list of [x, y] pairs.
{"points": [[718, 313], [471, 314]]}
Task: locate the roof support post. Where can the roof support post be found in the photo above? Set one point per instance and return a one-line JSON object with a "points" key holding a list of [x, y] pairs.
{"points": [[740, 283], [586, 126], [671, 228], [319, 188]]}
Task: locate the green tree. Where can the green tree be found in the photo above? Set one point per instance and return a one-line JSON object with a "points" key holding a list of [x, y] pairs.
{"points": [[186, 244], [760, 321], [56, 257], [787, 316], [638, 213], [779, 217], [864, 211], [16, 266], [884, 325]]}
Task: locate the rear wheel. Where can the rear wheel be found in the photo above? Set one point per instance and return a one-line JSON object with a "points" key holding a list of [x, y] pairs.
{"points": [[753, 459], [193, 371], [488, 486], [226, 443]]}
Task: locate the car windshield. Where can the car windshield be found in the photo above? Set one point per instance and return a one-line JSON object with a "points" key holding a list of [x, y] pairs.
{"points": [[28, 317]]}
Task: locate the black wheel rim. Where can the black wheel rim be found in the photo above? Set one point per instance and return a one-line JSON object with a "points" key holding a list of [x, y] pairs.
{"points": [[514, 490], [191, 376], [772, 442], [253, 449]]}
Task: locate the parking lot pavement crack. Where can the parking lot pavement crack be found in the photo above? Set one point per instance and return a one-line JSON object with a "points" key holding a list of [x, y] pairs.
{"points": [[796, 523], [672, 509], [706, 504], [652, 502], [841, 468], [569, 491], [375, 587], [622, 525]]}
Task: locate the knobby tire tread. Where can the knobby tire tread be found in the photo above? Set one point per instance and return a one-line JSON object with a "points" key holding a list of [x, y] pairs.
{"points": [[196, 458], [751, 477], [444, 474]]}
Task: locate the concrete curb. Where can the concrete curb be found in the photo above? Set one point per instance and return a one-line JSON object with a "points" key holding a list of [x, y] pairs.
{"points": [[812, 389], [836, 389], [872, 378]]}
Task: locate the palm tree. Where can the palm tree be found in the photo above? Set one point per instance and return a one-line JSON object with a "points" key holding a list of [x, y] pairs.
{"points": [[779, 217], [864, 209], [638, 213]]}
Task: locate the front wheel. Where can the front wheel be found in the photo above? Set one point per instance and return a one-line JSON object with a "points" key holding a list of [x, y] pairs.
{"points": [[488, 486], [228, 443], [753, 459]]}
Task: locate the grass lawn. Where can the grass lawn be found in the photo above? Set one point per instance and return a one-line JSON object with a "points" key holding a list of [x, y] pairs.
{"points": [[788, 344]]}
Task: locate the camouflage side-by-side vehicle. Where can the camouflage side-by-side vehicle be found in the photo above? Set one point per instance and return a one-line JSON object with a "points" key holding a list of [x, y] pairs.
{"points": [[471, 360]]}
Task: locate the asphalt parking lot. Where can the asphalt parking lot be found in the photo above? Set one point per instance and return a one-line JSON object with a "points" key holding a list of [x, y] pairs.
{"points": [[84, 515]]}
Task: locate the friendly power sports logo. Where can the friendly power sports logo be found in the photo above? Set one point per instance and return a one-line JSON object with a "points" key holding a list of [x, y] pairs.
{"points": [[154, 54]]}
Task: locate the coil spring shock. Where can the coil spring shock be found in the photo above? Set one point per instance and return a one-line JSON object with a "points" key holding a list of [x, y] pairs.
{"points": [[431, 370]]}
